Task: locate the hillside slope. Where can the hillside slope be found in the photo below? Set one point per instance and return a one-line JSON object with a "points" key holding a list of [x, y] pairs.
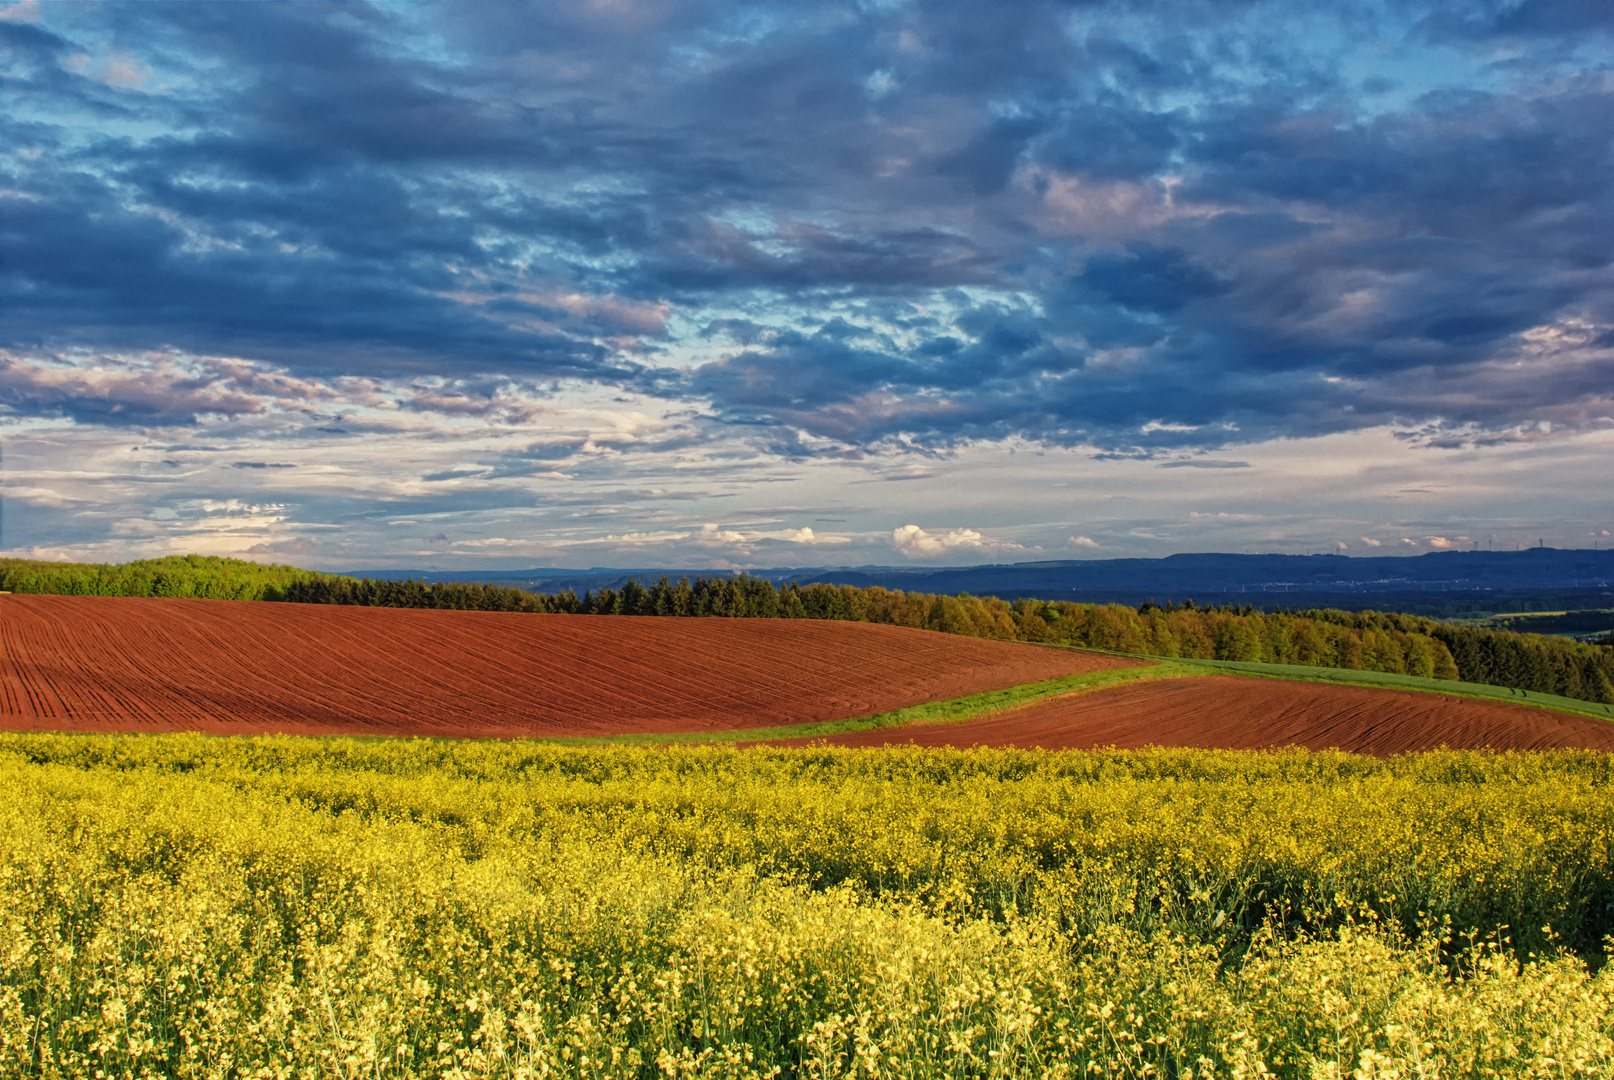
{"points": [[1228, 712], [130, 664]]}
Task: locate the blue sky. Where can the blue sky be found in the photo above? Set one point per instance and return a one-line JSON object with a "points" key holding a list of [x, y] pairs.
{"points": [[679, 284]]}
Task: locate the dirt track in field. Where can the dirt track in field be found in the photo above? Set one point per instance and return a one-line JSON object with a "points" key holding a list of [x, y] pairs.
{"points": [[1234, 713], [70, 663]]}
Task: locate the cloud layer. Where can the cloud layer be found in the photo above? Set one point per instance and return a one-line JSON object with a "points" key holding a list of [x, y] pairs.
{"points": [[765, 237]]}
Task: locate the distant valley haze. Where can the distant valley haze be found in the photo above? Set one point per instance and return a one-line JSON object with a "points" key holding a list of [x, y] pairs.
{"points": [[1438, 584], [480, 288]]}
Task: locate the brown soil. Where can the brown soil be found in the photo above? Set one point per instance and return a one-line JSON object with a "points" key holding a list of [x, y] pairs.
{"points": [[71, 663], [1234, 713]]}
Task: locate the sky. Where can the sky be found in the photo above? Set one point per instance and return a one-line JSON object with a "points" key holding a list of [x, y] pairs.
{"points": [[723, 285]]}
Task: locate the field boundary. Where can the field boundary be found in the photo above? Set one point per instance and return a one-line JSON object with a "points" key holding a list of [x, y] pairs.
{"points": [[958, 710], [1385, 680], [979, 706]]}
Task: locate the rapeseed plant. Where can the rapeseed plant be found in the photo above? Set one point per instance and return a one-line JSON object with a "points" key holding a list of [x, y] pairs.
{"points": [[277, 908]]}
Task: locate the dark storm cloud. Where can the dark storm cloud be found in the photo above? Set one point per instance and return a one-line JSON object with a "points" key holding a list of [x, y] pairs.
{"points": [[1140, 226]]}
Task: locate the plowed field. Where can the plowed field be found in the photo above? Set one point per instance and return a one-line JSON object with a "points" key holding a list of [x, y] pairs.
{"points": [[70, 663], [1229, 712]]}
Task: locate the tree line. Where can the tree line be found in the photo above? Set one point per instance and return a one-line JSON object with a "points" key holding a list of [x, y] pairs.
{"points": [[207, 577], [1359, 641]]}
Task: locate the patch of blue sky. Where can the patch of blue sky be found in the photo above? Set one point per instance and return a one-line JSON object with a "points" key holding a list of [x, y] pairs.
{"points": [[704, 238], [1395, 78]]}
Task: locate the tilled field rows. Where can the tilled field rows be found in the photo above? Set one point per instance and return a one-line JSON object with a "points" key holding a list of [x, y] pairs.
{"points": [[1234, 713], [115, 664]]}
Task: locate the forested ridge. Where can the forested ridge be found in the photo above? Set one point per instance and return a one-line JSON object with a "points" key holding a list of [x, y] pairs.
{"points": [[1362, 641], [207, 577]]}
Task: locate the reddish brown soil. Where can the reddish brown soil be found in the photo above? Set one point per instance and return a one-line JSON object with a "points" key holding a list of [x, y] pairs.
{"points": [[71, 663], [1229, 712]]}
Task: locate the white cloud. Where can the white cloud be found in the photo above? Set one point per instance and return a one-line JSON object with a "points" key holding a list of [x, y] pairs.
{"points": [[712, 534], [634, 539], [42, 496], [518, 496], [20, 12], [803, 535], [300, 545], [1084, 541], [916, 543]]}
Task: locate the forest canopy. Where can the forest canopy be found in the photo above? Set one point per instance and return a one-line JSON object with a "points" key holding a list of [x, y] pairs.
{"points": [[1360, 641], [206, 577]]}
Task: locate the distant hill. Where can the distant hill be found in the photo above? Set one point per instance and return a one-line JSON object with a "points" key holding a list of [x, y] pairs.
{"points": [[1439, 583], [1277, 580]]}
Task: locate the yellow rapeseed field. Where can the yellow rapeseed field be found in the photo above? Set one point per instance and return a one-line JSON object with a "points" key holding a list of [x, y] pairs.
{"points": [[185, 907]]}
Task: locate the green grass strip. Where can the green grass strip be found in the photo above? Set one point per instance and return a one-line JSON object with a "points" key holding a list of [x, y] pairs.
{"points": [[1389, 680], [958, 710], [976, 706]]}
